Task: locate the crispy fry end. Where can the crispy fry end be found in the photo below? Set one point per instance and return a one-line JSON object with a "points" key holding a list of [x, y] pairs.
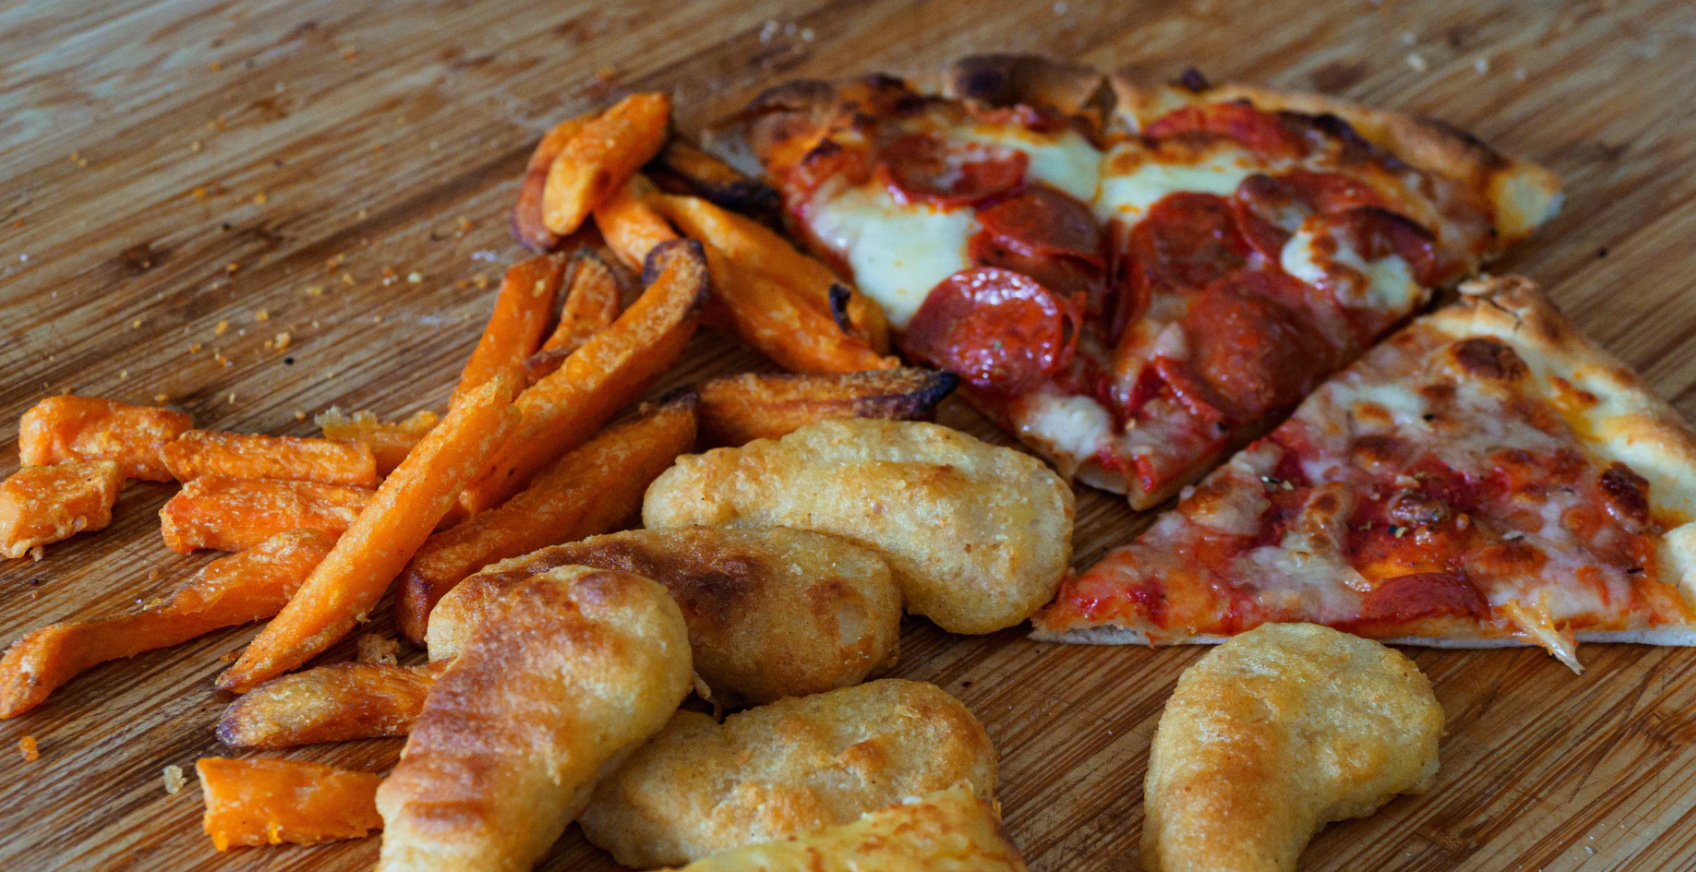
{"points": [[738, 409], [527, 224], [389, 442], [44, 504], [601, 156], [592, 303], [200, 453], [64, 428], [271, 801], [523, 309]]}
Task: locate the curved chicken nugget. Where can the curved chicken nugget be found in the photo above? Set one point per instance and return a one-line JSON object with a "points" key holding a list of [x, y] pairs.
{"points": [[1276, 733], [566, 673], [771, 613], [791, 767], [978, 536], [947, 831]]}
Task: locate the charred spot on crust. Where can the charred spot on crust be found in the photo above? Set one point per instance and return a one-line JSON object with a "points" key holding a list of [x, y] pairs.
{"points": [[1627, 493], [839, 297], [1484, 357], [1376, 450], [1192, 80]]}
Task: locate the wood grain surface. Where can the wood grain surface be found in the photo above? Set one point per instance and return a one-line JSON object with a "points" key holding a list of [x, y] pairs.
{"points": [[182, 181]]}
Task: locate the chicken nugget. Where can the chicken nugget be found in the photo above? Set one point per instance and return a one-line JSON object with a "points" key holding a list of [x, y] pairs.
{"points": [[978, 536], [791, 767], [947, 831], [1276, 733], [564, 675], [772, 613]]}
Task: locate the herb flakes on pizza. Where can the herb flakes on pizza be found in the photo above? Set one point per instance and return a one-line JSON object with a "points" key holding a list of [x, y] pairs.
{"points": [[1133, 280], [1486, 476]]}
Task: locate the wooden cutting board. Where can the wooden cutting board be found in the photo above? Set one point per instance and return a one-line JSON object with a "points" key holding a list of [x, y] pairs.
{"points": [[181, 182]]}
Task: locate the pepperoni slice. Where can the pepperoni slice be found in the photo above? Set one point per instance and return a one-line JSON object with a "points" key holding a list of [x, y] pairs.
{"points": [[1263, 133], [1250, 350], [1377, 232], [998, 329], [1067, 276], [1186, 241], [1044, 221], [922, 167], [1268, 209], [1422, 595]]}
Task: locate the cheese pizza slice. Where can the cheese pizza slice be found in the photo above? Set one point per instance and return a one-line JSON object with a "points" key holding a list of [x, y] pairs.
{"points": [[1133, 280], [1486, 476]]}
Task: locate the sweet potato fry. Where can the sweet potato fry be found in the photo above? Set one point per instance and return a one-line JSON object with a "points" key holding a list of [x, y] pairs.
{"points": [[592, 489], [234, 514], [603, 154], [200, 453], [44, 504], [272, 801], [783, 325], [591, 305], [738, 409], [389, 443], [344, 587], [630, 227], [757, 249], [238, 589], [523, 309], [334, 703], [612, 369], [527, 224], [64, 428], [717, 181]]}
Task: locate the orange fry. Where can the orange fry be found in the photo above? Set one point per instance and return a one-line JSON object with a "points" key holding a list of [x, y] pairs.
{"points": [[234, 514], [757, 249], [342, 590], [738, 409], [593, 489], [64, 428], [783, 325], [44, 504], [200, 453], [334, 703], [591, 306], [389, 443], [527, 212], [523, 309], [272, 801], [630, 227], [709, 177], [607, 373], [238, 589], [603, 154]]}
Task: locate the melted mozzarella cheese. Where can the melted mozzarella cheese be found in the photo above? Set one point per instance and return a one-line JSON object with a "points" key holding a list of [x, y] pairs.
{"points": [[1064, 160], [898, 253], [1072, 427], [1132, 180], [1389, 282]]}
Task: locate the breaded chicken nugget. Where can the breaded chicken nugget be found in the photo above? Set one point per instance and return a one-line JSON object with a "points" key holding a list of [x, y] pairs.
{"points": [[772, 613], [797, 765], [1276, 733], [978, 536], [947, 831], [565, 674]]}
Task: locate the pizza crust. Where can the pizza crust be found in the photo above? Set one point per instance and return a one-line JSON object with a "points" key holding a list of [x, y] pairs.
{"points": [[1523, 194]]}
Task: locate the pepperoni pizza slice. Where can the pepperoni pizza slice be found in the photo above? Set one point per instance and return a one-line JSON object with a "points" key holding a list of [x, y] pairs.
{"points": [[1133, 280], [1486, 476]]}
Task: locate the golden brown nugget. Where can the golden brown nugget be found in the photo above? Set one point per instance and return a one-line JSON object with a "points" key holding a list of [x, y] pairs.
{"points": [[1276, 733], [978, 536], [791, 767], [567, 673], [771, 613], [946, 831]]}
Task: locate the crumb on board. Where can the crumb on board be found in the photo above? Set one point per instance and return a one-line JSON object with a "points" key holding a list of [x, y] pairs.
{"points": [[313, 291], [161, 399], [221, 328], [260, 198], [174, 779], [28, 748], [378, 650], [1416, 62], [262, 315], [282, 341], [414, 277]]}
